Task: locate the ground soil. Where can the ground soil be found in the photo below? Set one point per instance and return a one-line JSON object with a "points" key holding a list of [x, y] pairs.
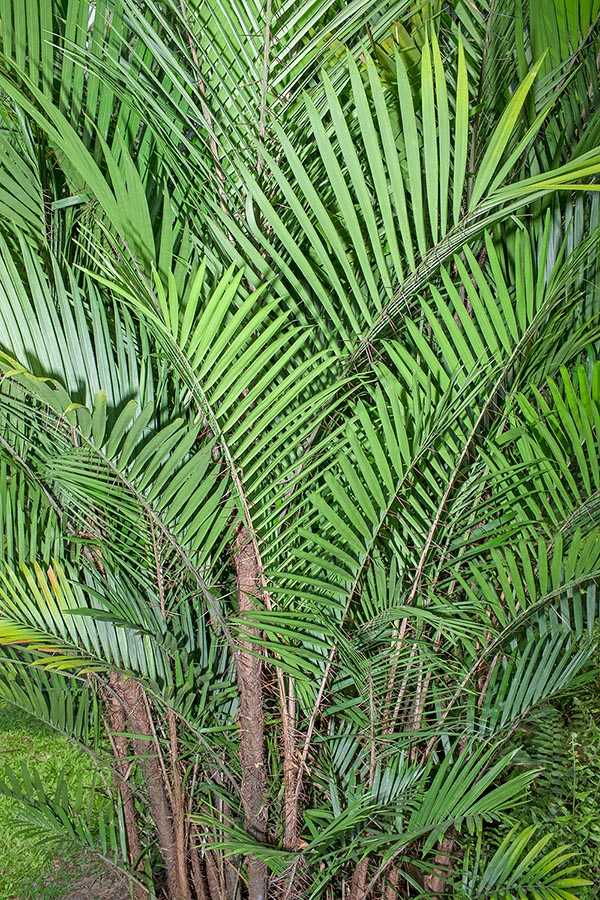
{"points": [[100, 886], [85, 879]]}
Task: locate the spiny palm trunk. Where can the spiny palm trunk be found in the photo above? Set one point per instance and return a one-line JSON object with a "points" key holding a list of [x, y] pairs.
{"points": [[251, 715]]}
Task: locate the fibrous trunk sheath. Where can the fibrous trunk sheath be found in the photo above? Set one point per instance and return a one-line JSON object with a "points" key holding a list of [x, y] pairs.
{"points": [[251, 714], [140, 725]]}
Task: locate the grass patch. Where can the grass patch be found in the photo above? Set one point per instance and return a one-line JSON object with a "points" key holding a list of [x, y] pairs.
{"points": [[28, 870]]}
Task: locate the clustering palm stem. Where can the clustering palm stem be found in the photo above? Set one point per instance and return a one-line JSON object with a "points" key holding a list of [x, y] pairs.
{"points": [[299, 433]]}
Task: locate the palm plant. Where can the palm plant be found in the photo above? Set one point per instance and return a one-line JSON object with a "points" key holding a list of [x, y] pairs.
{"points": [[300, 420]]}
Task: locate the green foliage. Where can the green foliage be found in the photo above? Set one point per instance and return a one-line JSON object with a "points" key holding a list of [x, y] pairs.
{"points": [[299, 435], [575, 816], [567, 791]]}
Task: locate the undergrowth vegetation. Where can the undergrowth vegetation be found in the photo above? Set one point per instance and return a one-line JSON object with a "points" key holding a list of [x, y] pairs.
{"points": [[300, 439], [35, 863], [575, 808]]}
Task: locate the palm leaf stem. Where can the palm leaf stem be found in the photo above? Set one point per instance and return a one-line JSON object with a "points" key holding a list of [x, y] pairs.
{"points": [[450, 487], [151, 516], [12, 452], [495, 647], [214, 146]]}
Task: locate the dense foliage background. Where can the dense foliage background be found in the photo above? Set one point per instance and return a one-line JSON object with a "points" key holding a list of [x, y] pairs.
{"points": [[300, 413]]}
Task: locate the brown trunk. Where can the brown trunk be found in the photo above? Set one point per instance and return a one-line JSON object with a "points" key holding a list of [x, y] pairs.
{"points": [[436, 882], [251, 715], [177, 808], [160, 807], [359, 880], [391, 888], [198, 868], [288, 884], [290, 771], [198, 879], [213, 876], [231, 876], [118, 725]]}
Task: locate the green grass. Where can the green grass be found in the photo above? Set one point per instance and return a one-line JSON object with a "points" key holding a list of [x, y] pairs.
{"points": [[27, 870]]}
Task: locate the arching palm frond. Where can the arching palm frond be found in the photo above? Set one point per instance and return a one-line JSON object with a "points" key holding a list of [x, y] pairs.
{"points": [[299, 420]]}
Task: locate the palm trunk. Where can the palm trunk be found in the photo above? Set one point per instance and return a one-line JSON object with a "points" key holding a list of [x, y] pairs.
{"points": [[289, 884], [436, 881], [177, 804], [251, 715], [290, 770], [359, 880], [117, 721], [215, 878], [198, 877], [139, 723], [391, 888]]}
